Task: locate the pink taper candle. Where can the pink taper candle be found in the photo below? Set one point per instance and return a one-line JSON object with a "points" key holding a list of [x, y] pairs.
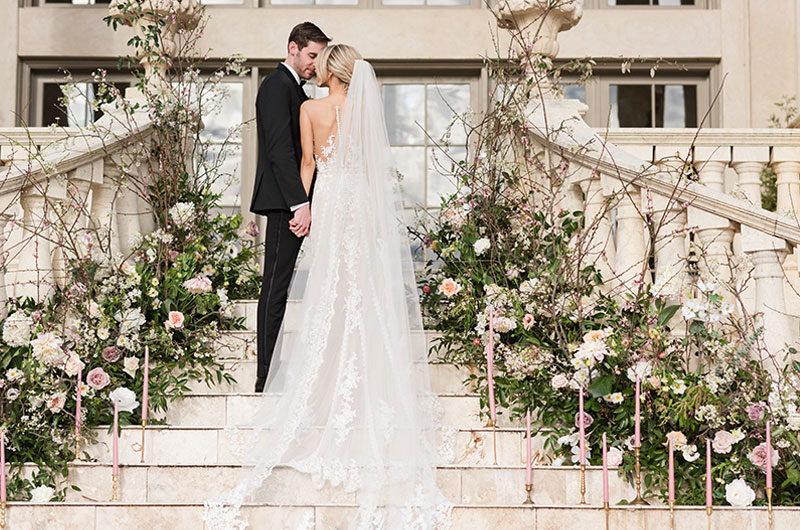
{"points": [[637, 418], [2, 467], [581, 427], [605, 471], [115, 440], [490, 361], [78, 402], [528, 452], [769, 455], [146, 387], [708, 473], [671, 471]]}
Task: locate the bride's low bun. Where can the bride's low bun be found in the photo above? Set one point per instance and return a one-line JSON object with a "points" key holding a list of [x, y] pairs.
{"points": [[338, 59]]}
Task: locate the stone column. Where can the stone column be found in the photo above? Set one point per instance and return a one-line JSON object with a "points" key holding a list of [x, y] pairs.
{"points": [[601, 246], [104, 214], [767, 253], [788, 184], [34, 275], [669, 218]]}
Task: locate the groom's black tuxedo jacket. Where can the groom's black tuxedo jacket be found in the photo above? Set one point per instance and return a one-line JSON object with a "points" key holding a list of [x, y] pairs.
{"points": [[278, 185]]}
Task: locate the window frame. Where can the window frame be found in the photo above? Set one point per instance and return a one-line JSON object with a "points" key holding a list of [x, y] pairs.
{"points": [[603, 4]]}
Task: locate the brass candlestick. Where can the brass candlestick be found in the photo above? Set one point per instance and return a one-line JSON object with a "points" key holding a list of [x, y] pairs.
{"points": [[493, 424], [672, 515], [77, 446], [638, 501], [144, 426], [528, 490], [607, 510], [709, 509], [114, 488], [2, 514], [769, 507], [583, 483]]}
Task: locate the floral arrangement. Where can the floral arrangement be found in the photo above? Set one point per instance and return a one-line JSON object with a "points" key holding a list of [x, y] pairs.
{"points": [[173, 293], [505, 241]]}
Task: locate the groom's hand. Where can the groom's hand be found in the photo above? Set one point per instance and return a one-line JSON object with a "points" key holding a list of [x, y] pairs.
{"points": [[301, 222]]}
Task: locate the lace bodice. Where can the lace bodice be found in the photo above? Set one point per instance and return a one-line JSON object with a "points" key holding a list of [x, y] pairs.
{"points": [[329, 149]]}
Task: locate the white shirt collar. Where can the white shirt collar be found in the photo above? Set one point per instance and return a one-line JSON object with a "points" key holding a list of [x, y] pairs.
{"points": [[296, 76]]}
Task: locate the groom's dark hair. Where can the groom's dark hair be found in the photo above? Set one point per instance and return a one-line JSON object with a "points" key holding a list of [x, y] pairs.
{"points": [[306, 32]]}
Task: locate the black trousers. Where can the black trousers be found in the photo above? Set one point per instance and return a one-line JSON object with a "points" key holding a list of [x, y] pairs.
{"points": [[280, 254]]}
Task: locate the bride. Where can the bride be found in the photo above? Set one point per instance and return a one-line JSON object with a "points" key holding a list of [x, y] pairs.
{"points": [[348, 398]]}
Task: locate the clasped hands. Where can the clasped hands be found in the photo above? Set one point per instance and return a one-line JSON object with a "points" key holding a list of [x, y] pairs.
{"points": [[300, 225]]}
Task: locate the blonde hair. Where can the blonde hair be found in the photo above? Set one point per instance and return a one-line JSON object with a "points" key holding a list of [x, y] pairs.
{"points": [[338, 59]]}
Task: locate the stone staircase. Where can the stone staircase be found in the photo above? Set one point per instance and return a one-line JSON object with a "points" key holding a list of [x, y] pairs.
{"points": [[188, 460]]}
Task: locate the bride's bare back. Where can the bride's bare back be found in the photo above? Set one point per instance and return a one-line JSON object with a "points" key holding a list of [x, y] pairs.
{"points": [[318, 129]]}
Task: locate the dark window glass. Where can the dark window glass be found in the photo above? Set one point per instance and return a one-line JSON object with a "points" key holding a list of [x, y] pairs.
{"points": [[630, 106], [81, 113]]}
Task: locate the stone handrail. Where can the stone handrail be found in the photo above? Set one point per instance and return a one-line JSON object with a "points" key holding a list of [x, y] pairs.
{"points": [[64, 183], [640, 177]]}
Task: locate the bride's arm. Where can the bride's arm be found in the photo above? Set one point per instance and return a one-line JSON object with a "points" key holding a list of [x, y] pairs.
{"points": [[307, 165]]}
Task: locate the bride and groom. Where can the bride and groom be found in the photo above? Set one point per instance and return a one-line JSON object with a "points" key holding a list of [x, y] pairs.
{"points": [[347, 396]]}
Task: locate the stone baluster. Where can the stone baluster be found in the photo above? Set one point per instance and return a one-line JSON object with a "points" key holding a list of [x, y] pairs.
{"points": [[749, 162], [711, 163], [669, 221], [767, 253], [34, 275], [104, 213], [630, 239], [601, 245], [4, 219], [786, 163]]}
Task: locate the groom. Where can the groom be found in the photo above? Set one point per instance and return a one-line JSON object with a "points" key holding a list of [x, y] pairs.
{"points": [[279, 192]]}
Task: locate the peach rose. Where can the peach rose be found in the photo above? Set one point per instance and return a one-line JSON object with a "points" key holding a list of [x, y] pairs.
{"points": [[723, 442], [449, 287], [678, 439], [56, 403], [559, 381], [527, 321], [175, 320]]}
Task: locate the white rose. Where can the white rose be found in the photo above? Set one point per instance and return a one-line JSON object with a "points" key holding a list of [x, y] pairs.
{"points": [[614, 457], [17, 329], [73, 364], [481, 246], [793, 421], [94, 310], [125, 397], [102, 333], [690, 453], [130, 365], [738, 493], [42, 494], [47, 348]]}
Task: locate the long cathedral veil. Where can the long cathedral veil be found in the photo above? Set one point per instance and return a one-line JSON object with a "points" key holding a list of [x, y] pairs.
{"points": [[348, 398]]}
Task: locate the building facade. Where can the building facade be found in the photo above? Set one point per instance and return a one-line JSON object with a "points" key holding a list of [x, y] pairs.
{"points": [[742, 55]]}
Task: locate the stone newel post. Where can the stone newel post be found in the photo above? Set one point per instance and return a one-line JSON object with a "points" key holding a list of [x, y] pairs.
{"points": [[141, 15]]}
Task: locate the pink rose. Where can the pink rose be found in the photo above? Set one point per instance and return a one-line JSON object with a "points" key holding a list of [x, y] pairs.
{"points": [[678, 439], [173, 255], [527, 321], [97, 378], [198, 285], [723, 442], [559, 381], [614, 457], [655, 382], [756, 411], [587, 420], [252, 228], [56, 403], [112, 354], [759, 456], [175, 320]]}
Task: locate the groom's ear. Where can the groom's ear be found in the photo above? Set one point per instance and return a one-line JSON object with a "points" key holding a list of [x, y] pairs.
{"points": [[293, 48]]}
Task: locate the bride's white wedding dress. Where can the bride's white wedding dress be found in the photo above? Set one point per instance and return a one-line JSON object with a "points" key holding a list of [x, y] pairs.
{"points": [[348, 398]]}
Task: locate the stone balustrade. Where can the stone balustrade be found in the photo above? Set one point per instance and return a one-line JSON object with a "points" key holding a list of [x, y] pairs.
{"points": [[667, 195], [61, 186]]}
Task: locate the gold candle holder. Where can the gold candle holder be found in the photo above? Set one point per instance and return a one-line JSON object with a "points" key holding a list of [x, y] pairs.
{"points": [[2, 514], [709, 509], [639, 500], [78, 447], [144, 426], [769, 507], [114, 488], [606, 509], [493, 424], [583, 483], [528, 490], [672, 515]]}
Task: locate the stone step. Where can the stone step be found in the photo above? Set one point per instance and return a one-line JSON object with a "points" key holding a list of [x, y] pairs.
{"points": [[134, 516], [444, 379], [460, 410], [170, 445], [467, 485]]}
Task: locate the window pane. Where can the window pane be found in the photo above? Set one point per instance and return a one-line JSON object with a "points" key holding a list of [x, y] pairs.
{"points": [[448, 2], [410, 162], [444, 102], [629, 2], [228, 176], [80, 111], [337, 2], [229, 115], [404, 106], [440, 179], [221, 2], [630, 106], [295, 2], [79, 2], [403, 2], [575, 92], [315, 92], [673, 2], [676, 106]]}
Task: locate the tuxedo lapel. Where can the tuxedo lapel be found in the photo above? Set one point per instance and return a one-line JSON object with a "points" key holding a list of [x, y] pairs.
{"points": [[300, 92]]}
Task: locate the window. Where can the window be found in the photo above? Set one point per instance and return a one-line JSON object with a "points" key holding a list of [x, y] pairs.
{"points": [[648, 3], [74, 2], [48, 108], [639, 105], [216, 133]]}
